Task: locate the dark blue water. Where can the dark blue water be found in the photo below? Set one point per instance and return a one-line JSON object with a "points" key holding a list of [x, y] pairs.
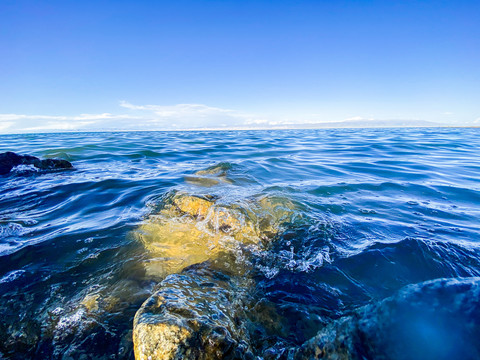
{"points": [[375, 210]]}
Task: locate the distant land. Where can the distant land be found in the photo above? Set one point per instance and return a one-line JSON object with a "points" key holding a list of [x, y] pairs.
{"points": [[347, 124], [354, 124], [367, 124]]}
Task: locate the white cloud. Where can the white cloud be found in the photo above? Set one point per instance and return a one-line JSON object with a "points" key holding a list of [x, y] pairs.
{"points": [[358, 118], [4, 117], [12, 123], [355, 118], [170, 117], [180, 110], [5, 125], [185, 116], [59, 126], [138, 117]]}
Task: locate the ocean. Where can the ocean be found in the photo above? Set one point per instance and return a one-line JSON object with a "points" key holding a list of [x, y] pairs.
{"points": [[311, 228]]}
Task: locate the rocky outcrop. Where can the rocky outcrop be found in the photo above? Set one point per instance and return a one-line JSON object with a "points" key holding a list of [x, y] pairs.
{"points": [[77, 327], [437, 319], [199, 246], [8, 160], [205, 306], [194, 315]]}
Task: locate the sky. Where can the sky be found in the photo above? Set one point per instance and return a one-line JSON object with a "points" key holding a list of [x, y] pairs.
{"points": [[164, 65]]}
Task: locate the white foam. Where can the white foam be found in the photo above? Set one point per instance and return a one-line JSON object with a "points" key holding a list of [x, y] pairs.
{"points": [[11, 276]]}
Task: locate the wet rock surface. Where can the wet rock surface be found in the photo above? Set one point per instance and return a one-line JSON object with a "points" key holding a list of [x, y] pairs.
{"points": [[197, 314], [192, 229], [211, 176], [437, 319], [9, 160], [205, 307]]}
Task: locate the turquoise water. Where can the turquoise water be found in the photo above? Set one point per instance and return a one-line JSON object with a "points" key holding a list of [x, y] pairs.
{"points": [[374, 211]]}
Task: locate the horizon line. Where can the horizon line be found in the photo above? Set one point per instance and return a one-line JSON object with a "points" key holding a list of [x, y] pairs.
{"points": [[240, 129]]}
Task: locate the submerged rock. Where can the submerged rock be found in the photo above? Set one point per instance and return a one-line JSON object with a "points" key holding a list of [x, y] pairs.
{"points": [[211, 176], [220, 169], [200, 247], [77, 327], [8, 160], [194, 315], [437, 319], [192, 229], [206, 181], [192, 205]]}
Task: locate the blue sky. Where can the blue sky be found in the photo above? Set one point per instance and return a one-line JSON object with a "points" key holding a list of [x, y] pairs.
{"points": [[86, 65]]}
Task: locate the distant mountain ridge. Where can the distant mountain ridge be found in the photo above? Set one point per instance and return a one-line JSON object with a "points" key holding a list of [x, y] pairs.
{"points": [[368, 124]]}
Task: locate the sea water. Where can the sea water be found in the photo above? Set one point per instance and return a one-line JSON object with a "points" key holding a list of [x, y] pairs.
{"points": [[374, 210]]}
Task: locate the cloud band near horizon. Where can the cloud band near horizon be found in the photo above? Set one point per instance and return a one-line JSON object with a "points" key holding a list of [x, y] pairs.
{"points": [[162, 117]]}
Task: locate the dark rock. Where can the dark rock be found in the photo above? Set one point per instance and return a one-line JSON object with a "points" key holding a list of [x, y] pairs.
{"points": [[438, 319], [54, 164], [8, 160]]}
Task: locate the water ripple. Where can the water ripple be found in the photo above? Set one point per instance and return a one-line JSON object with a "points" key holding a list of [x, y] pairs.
{"points": [[374, 210]]}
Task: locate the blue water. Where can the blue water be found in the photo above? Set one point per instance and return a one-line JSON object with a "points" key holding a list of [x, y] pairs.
{"points": [[376, 210]]}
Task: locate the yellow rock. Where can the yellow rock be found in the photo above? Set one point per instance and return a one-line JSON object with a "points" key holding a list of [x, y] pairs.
{"points": [[157, 341], [175, 245], [90, 302], [193, 315], [211, 176], [110, 297], [180, 321], [201, 180], [192, 230], [217, 170], [192, 205], [273, 212]]}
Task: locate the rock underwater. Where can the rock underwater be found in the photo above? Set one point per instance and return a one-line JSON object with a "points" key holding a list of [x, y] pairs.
{"points": [[201, 244], [192, 229], [211, 176], [194, 315], [8, 160], [438, 319], [205, 305]]}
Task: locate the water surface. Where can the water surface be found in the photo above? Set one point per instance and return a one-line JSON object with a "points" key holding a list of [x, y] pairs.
{"points": [[375, 210]]}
